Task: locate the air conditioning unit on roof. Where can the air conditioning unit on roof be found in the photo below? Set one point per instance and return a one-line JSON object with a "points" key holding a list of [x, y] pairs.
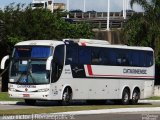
{"points": [[94, 41]]}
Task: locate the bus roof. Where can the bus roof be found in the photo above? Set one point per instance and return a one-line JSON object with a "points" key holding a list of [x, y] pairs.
{"points": [[122, 47], [104, 43], [40, 43], [81, 43]]}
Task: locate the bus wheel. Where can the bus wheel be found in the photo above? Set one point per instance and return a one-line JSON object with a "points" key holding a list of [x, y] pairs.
{"points": [[125, 97], [67, 97], [135, 97], [30, 102]]}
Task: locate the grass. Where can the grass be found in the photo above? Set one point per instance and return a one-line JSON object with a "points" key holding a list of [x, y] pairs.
{"points": [[55, 109], [5, 97], [154, 98]]}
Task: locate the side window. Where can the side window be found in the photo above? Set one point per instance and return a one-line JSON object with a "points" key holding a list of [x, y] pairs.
{"points": [[142, 60], [57, 63], [71, 54], [59, 54], [104, 57], [112, 56], [96, 56], [123, 57], [135, 58], [149, 59], [84, 55], [118, 57]]}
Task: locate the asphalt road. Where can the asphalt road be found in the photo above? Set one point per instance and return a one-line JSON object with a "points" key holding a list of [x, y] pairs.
{"points": [[151, 115], [45, 104], [119, 116], [136, 116]]}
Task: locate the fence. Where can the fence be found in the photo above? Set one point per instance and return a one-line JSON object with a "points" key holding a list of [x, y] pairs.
{"points": [[99, 19]]}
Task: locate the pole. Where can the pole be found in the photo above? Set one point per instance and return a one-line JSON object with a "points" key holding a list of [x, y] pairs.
{"points": [[52, 6], [68, 8], [108, 15], [84, 5], [124, 8]]}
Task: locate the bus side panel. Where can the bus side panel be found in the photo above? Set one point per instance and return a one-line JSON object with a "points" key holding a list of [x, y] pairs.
{"points": [[79, 86], [103, 89], [131, 84], [148, 88]]}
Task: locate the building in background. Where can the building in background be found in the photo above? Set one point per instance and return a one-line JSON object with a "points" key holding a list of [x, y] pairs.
{"points": [[48, 4]]}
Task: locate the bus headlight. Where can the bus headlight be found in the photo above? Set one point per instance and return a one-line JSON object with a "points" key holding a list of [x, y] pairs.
{"points": [[43, 90]]}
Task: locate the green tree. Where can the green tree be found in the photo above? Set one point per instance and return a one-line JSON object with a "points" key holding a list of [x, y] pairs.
{"points": [[144, 29], [24, 23], [20, 23]]}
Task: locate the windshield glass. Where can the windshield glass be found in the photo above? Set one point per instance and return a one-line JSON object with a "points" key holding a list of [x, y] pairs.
{"points": [[28, 65], [29, 72]]}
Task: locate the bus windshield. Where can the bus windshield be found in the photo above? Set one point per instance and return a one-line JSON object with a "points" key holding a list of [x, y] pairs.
{"points": [[28, 65]]}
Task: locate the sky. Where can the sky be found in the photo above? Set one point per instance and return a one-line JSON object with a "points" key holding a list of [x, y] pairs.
{"points": [[97, 5]]}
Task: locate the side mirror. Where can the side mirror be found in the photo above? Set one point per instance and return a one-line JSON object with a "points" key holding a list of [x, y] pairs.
{"points": [[48, 63], [3, 61]]}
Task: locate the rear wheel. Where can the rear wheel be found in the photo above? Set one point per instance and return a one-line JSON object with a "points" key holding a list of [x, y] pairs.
{"points": [[135, 97], [30, 102], [125, 97]]}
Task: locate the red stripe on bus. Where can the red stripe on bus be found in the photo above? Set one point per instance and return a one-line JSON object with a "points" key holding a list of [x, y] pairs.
{"points": [[90, 72], [83, 44]]}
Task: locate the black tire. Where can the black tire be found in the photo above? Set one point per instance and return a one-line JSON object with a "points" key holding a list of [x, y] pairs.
{"points": [[135, 97], [66, 97], [30, 102], [125, 97]]}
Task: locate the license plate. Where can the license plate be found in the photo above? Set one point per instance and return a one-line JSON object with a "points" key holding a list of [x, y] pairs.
{"points": [[26, 95]]}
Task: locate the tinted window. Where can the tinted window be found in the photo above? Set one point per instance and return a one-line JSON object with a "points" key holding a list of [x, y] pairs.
{"points": [[108, 56], [112, 56], [104, 57], [84, 55], [71, 54], [135, 60], [149, 59], [96, 60], [59, 54]]}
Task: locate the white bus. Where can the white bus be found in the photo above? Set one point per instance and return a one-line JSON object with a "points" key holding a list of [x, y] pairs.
{"points": [[80, 70]]}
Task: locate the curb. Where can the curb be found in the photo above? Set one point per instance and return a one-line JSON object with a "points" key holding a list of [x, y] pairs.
{"points": [[101, 111], [116, 110], [16, 102], [148, 101], [8, 102]]}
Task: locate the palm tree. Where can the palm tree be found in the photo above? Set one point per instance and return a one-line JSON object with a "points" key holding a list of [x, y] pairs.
{"points": [[144, 29]]}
